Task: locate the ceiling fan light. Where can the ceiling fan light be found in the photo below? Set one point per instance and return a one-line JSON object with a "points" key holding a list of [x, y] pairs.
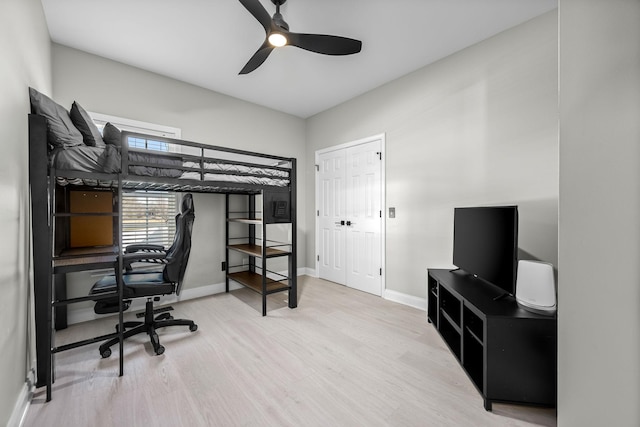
{"points": [[277, 39]]}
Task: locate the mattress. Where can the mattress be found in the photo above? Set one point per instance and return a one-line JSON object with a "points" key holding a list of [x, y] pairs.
{"points": [[148, 164]]}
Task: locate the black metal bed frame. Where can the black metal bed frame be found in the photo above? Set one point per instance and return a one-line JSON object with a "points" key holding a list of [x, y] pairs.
{"points": [[43, 182]]}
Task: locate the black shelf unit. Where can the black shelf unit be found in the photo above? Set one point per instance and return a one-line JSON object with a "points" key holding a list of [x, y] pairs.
{"points": [[264, 209], [509, 354]]}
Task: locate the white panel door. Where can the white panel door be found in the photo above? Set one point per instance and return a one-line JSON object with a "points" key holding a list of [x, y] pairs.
{"points": [[331, 213], [350, 216], [364, 217]]}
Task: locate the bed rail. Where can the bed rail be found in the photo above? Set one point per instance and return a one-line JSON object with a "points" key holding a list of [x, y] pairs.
{"points": [[168, 164]]}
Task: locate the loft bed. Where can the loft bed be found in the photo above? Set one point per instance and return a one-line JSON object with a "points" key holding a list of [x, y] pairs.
{"points": [[178, 166]]}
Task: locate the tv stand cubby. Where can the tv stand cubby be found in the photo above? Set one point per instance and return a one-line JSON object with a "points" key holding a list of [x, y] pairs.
{"points": [[508, 353]]}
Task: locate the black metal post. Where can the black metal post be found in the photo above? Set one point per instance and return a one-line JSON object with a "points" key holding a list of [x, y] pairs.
{"points": [[293, 264]]}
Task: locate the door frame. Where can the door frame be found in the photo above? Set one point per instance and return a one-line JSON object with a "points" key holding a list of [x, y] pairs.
{"points": [[383, 232]]}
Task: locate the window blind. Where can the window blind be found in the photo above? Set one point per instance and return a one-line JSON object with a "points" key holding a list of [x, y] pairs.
{"points": [[147, 144], [148, 217]]}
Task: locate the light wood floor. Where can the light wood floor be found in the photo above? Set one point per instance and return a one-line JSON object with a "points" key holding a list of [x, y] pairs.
{"points": [[342, 358]]}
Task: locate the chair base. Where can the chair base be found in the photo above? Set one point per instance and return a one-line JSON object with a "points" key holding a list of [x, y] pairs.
{"points": [[149, 327]]}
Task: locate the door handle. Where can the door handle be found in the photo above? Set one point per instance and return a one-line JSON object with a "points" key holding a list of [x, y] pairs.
{"points": [[339, 222], [349, 223]]}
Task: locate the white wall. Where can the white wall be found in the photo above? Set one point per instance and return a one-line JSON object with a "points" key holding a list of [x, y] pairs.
{"points": [[599, 257], [25, 49], [477, 128], [104, 86], [474, 95]]}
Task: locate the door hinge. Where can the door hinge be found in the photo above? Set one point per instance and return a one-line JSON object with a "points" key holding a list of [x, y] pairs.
{"points": [[318, 257], [381, 272], [318, 213], [379, 153], [380, 214], [317, 168]]}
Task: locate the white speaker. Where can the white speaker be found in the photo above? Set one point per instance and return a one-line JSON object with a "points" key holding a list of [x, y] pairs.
{"points": [[535, 287]]}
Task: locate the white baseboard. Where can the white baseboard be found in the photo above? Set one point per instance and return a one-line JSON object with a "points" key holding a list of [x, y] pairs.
{"points": [[22, 405], [410, 300], [86, 314]]}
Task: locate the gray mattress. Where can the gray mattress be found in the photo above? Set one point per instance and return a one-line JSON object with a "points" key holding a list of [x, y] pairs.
{"points": [[107, 160]]}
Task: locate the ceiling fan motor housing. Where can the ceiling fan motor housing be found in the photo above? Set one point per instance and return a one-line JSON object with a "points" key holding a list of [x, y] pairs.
{"points": [[280, 22]]}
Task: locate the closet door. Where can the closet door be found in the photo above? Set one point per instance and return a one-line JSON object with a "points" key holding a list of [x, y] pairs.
{"points": [[364, 218], [331, 217], [350, 216]]}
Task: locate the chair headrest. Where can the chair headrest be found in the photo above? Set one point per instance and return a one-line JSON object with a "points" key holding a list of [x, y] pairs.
{"points": [[187, 203]]}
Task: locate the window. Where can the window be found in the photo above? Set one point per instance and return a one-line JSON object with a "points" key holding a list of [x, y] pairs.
{"points": [[147, 144], [147, 216]]}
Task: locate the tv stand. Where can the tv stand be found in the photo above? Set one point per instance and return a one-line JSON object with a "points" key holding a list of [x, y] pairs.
{"points": [[508, 353]]}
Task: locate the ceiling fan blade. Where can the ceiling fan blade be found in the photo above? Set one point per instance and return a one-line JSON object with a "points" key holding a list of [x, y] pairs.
{"points": [[258, 58], [259, 12], [325, 44]]}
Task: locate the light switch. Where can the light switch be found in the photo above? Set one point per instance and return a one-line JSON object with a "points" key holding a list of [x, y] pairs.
{"points": [[392, 212]]}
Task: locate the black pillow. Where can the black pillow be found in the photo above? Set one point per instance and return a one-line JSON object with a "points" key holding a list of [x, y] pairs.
{"points": [[90, 133], [111, 135], [60, 129]]}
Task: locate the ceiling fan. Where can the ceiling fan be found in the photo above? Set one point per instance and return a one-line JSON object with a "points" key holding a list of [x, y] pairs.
{"points": [[278, 34]]}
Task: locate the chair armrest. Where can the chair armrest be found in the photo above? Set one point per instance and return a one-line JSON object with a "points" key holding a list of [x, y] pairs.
{"points": [[141, 256], [143, 247], [128, 259]]}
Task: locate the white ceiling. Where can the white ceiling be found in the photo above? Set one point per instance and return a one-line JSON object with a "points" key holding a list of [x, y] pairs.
{"points": [[207, 42]]}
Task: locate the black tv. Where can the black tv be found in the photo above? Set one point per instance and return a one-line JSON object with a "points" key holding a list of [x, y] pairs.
{"points": [[485, 244]]}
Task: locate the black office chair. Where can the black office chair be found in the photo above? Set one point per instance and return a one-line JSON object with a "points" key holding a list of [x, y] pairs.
{"points": [[150, 284]]}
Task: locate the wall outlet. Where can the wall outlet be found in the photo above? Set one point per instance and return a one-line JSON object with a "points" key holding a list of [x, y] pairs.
{"points": [[392, 212], [224, 266]]}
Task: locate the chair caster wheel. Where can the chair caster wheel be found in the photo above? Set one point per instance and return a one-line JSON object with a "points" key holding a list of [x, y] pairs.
{"points": [[106, 353], [160, 350], [193, 328]]}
